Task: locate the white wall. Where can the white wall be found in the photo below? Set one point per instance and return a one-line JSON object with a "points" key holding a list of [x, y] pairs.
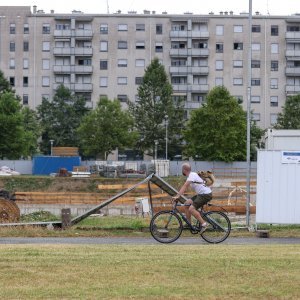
{"points": [[278, 197]]}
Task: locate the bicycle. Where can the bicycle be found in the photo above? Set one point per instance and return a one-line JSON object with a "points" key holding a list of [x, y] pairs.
{"points": [[166, 226]]}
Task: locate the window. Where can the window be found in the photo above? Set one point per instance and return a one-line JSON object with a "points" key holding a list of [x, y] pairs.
{"points": [[140, 63], [103, 46], [255, 28], [255, 81], [12, 28], [122, 27], [219, 65], [46, 64], [12, 47], [103, 81], [62, 26], [103, 64], [122, 80], [237, 81], [255, 63], [103, 29], [293, 28], [25, 63], [274, 30], [274, 101], [138, 80], [26, 29], [159, 29], [85, 62], [255, 99], [274, 65], [45, 81], [25, 46], [219, 47], [140, 45], [122, 63], [274, 83], [122, 98], [273, 119], [218, 81], [12, 63], [12, 81], [140, 27], [122, 45], [46, 46], [239, 99], [25, 81], [25, 99], [219, 30], [46, 29], [237, 46], [158, 47], [256, 116], [238, 28], [274, 48], [255, 47], [237, 63]]}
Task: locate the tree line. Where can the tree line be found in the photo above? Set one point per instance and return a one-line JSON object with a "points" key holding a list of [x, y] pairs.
{"points": [[215, 132]]}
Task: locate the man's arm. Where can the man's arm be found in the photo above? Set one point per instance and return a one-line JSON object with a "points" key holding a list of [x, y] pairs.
{"points": [[182, 190]]}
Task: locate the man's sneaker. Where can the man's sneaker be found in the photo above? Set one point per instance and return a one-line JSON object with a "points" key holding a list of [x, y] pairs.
{"points": [[203, 228]]}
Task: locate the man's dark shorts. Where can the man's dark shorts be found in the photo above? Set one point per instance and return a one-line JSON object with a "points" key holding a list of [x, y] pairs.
{"points": [[201, 199]]}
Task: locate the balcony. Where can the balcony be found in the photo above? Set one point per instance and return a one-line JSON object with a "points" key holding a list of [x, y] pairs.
{"points": [[199, 34], [188, 70], [78, 33], [66, 85], [180, 88], [292, 71], [73, 51], [200, 88], [189, 52], [62, 69], [179, 70], [292, 35], [192, 105], [73, 69], [83, 87], [189, 34], [292, 53], [292, 89], [83, 69]]}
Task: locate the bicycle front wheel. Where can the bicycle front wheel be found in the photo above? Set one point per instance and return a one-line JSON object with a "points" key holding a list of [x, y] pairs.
{"points": [[218, 229], [166, 226]]}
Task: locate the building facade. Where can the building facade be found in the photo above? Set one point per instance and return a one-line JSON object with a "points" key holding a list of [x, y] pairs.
{"points": [[106, 55]]}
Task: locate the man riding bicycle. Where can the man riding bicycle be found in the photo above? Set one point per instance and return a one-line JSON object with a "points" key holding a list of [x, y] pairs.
{"points": [[203, 195]]}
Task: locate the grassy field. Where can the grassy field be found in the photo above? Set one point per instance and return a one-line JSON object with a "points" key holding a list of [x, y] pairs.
{"points": [[149, 272]]}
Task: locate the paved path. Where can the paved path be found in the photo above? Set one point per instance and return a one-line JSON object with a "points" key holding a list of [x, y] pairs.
{"points": [[140, 241]]}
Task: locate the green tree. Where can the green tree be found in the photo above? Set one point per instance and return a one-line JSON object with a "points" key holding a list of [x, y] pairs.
{"points": [[60, 119], [32, 129], [289, 118], [4, 84], [105, 128], [217, 130], [12, 134], [154, 107]]}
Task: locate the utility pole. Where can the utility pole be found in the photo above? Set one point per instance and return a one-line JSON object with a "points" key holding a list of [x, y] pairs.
{"points": [[249, 115], [167, 123]]}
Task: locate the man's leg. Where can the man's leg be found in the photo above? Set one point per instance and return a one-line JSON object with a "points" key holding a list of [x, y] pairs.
{"points": [[187, 211], [196, 214]]}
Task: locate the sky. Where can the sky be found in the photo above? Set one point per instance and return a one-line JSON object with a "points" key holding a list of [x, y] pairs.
{"points": [[272, 7]]}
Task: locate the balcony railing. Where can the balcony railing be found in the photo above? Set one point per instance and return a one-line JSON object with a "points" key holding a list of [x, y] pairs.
{"points": [[292, 53], [80, 51], [292, 71], [189, 34], [73, 69], [189, 52], [83, 87], [80, 33], [292, 35], [292, 89]]}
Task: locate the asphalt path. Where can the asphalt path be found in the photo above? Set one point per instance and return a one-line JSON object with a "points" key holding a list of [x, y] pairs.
{"points": [[139, 241]]}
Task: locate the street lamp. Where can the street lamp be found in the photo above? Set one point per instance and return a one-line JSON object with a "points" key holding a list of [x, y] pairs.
{"points": [[51, 142], [166, 123], [155, 143]]}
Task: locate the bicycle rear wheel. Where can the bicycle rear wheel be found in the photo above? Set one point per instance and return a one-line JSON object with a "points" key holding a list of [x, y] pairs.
{"points": [[166, 226], [218, 229]]}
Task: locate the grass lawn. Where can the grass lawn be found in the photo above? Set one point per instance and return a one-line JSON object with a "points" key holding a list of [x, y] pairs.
{"points": [[149, 272]]}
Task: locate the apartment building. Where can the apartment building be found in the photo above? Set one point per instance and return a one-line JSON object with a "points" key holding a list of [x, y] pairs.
{"points": [[106, 55]]}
